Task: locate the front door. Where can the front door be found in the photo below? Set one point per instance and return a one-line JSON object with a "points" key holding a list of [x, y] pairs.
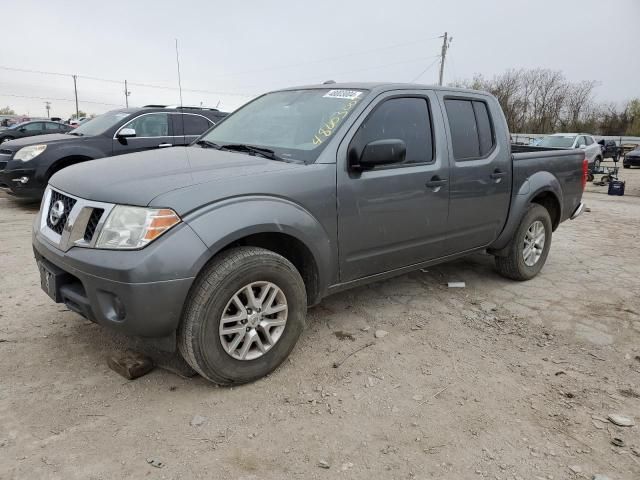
{"points": [[153, 130], [480, 172], [394, 215]]}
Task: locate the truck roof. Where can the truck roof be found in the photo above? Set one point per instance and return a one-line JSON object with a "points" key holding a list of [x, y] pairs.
{"points": [[383, 87]]}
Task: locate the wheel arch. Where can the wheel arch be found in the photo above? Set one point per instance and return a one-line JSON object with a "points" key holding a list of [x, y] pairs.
{"points": [[65, 162], [291, 232], [542, 188]]}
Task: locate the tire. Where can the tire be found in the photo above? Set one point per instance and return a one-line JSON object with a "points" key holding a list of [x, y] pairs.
{"points": [[605, 179], [626, 166], [513, 264], [199, 338], [597, 162], [589, 177]]}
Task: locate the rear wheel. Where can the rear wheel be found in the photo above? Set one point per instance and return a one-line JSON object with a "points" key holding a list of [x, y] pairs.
{"points": [[626, 166], [527, 252], [605, 179], [243, 317]]}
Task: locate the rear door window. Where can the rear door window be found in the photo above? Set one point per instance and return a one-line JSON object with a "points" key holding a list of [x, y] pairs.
{"points": [[464, 130], [407, 119], [194, 125], [471, 128]]}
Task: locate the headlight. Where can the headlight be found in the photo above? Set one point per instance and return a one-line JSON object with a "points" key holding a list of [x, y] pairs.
{"points": [[134, 227], [27, 153]]}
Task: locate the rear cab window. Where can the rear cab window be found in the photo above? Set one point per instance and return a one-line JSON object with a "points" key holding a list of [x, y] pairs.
{"points": [[471, 127]]}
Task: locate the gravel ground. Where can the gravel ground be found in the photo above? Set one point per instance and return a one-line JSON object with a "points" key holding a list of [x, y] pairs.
{"points": [[498, 380]]}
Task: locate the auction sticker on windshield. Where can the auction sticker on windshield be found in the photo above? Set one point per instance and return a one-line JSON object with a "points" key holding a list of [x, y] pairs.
{"points": [[343, 94]]}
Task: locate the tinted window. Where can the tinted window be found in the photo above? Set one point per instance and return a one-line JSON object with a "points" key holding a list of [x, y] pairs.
{"points": [[150, 125], [464, 131], [406, 119], [33, 127], [485, 132], [52, 127], [589, 140], [193, 124]]}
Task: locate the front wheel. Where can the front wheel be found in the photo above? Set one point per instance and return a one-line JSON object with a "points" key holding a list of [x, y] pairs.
{"points": [[243, 316], [596, 163], [527, 252]]}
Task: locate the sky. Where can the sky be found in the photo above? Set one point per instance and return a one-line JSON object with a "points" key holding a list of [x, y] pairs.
{"points": [[232, 51]]}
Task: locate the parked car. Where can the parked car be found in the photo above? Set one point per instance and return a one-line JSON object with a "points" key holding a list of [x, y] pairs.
{"points": [[632, 159], [218, 248], [31, 129], [27, 164], [583, 141]]}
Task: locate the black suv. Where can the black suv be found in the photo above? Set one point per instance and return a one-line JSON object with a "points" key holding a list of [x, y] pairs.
{"points": [[27, 164], [32, 128]]}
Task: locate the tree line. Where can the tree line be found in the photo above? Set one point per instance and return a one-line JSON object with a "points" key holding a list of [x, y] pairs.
{"points": [[544, 101]]}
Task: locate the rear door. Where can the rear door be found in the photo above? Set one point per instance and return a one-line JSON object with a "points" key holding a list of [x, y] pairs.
{"points": [[394, 215], [480, 171], [153, 130], [189, 126]]}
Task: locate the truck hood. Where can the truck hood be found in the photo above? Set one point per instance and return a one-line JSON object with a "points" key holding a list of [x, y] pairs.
{"points": [[137, 178], [15, 145]]}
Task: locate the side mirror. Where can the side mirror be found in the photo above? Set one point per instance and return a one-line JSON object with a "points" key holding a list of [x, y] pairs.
{"points": [[127, 133], [22, 130], [381, 152]]}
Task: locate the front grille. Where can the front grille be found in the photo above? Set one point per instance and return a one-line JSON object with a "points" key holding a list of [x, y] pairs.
{"points": [[92, 224], [67, 205]]}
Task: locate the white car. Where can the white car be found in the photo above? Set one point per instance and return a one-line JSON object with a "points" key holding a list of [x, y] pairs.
{"points": [[583, 141]]}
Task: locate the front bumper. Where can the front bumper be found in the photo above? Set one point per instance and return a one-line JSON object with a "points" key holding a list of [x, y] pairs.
{"points": [[140, 293], [11, 182]]}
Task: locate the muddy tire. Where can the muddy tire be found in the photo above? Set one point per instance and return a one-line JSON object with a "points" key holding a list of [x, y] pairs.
{"points": [[527, 252], [244, 315]]}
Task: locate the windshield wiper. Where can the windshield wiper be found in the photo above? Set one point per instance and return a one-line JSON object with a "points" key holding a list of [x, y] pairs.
{"points": [[208, 144], [263, 152]]}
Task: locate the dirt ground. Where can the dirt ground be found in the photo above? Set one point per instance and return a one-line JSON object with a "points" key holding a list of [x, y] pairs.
{"points": [[498, 380]]}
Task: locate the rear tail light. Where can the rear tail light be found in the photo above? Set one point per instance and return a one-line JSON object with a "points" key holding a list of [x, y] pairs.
{"points": [[585, 173]]}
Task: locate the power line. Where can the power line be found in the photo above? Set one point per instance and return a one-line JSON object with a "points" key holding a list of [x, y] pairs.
{"points": [[327, 59], [59, 99], [426, 69]]}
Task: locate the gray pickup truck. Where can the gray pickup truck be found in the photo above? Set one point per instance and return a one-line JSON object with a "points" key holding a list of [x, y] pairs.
{"points": [[217, 249]]}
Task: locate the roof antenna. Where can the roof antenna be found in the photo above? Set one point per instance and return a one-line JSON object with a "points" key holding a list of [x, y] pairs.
{"points": [[180, 89]]}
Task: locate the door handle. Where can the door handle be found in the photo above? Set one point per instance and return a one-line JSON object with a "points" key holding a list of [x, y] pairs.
{"points": [[436, 182], [498, 174], [165, 145]]}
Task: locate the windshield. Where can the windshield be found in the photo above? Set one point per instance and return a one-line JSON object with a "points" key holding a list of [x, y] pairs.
{"points": [[557, 141], [100, 124], [295, 124]]}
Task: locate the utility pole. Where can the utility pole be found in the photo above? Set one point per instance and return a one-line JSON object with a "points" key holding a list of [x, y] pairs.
{"points": [[75, 90], [446, 42], [47, 105], [126, 94]]}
